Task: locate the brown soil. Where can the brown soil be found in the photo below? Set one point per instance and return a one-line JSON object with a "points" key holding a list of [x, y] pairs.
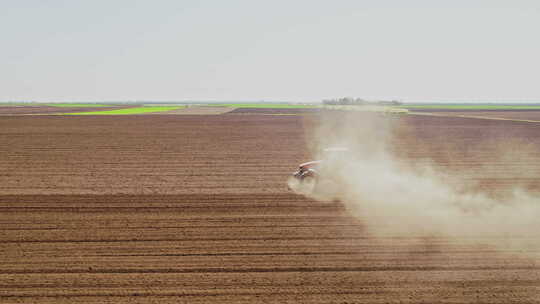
{"points": [[274, 111], [514, 115], [492, 155], [190, 209]]}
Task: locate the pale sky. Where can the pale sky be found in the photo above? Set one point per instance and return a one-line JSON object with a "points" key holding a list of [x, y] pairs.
{"points": [[289, 50]]}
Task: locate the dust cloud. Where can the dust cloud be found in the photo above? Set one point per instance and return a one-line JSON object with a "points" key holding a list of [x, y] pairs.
{"points": [[397, 199]]}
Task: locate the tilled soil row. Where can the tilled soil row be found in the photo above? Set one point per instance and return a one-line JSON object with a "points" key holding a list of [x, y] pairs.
{"points": [[191, 209], [175, 154], [283, 248]]}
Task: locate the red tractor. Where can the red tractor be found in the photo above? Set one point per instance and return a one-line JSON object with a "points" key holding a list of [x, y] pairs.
{"points": [[308, 175], [304, 180], [307, 170]]}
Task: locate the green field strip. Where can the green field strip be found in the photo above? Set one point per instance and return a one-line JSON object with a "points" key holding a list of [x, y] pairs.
{"points": [[262, 106], [138, 110], [7, 104]]}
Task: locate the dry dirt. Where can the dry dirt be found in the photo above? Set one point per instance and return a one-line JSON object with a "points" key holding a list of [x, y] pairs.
{"points": [[191, 209], [533, 115], [275, 111]]}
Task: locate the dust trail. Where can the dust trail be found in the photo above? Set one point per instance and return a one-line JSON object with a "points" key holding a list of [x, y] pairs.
{"points": [[395, 199]]}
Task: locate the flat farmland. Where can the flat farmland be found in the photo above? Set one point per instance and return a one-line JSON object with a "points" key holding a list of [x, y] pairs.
{"points": [[195, 209], [49, 109], [532, 115]]}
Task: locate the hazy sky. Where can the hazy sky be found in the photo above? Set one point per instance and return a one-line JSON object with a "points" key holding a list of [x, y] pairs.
{"points": [[295, 50]]}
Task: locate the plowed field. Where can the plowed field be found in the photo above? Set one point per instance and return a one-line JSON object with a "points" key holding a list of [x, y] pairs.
{"points": [[192, 209], [533, 115]]}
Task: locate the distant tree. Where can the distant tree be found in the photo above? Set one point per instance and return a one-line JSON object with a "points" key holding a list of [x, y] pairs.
{"points": [[389, 103], [345, 101]]}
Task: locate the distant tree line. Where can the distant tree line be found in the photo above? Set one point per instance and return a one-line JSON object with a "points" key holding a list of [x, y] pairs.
{"points": [[359, 102]]}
